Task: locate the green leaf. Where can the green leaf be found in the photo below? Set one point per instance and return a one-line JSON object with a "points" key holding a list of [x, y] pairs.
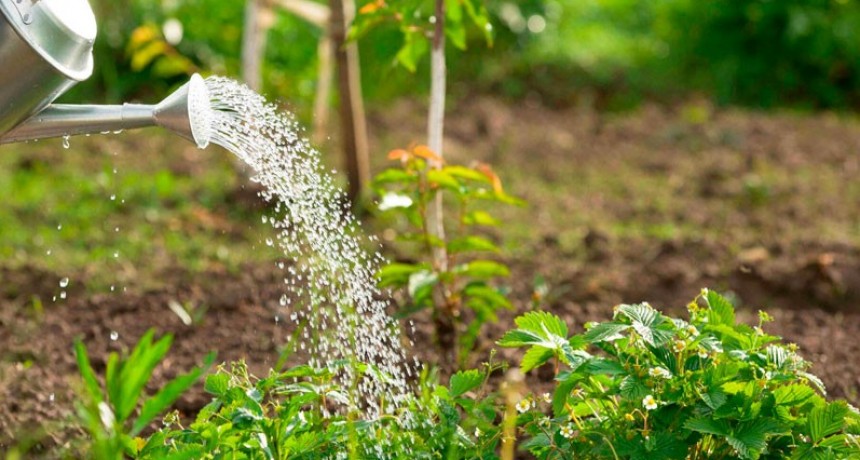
{"points": [[535, 357], [648, 323], [519, 338], [493, 298], [777, 355], [826, 420], [480, 218], [750, 438], [482, 269], [91, 384], [541, 322], [217, 384], [792, 395], [415, 46], [471, 243], [466, 173], [167, 396], [708, 425], [397, 274], [136, 371], [537, 443], [465, 381], [714, 398], [815, 381], [605, 366], [456, 33], [442, 178], [721, 310], [394, 175], [605, 332], [634, 389]]}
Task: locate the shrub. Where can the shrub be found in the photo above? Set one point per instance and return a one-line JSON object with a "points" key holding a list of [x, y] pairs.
{"points": [[465, 282], [660, 387]]}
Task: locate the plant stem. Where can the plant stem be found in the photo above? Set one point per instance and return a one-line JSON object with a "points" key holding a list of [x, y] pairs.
{"points": [[436, 125]]}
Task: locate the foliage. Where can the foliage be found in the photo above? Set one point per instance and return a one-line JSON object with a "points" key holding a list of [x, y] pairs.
{"points": [[466, 281], [415, 20], [653, 387], [660, 387], [303, 412], [107, 413]]}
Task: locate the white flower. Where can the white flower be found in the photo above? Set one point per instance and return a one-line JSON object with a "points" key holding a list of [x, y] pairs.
{"points": [[547, 398], [649, 402], [758, 330], [692, 331], [703, 353], [678, 346], [567, 431], [660, 372], [524, 405], [394, 200]]}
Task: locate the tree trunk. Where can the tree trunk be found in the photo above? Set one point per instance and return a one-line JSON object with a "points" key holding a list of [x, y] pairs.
{"points": [[446, 314], [253, 45], [353, 123], [324, 82]]}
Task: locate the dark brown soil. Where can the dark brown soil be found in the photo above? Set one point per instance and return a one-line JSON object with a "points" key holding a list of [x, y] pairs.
{"points": [[796, 255]]}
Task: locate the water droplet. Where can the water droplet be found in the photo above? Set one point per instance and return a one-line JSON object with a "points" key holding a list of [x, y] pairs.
{"points": [[114, 335], [113, 197], [62, 294], [112, 288], [60, 227], [64, 282], [51, 397], [116, 254], [116, 229], [66, 142], [48, 252]]}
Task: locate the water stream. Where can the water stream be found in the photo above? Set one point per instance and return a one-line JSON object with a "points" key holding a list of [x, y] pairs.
{"points": [[331, 285]]}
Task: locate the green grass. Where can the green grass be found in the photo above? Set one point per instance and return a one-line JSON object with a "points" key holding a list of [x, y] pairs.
{"points": [[110, 210]]}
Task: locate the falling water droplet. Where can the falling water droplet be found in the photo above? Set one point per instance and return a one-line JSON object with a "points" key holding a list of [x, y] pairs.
{"points": [[112, 288], [114, 335], [64, 282], [48, 252], [66, 142], [116, 254], [62, 294]]}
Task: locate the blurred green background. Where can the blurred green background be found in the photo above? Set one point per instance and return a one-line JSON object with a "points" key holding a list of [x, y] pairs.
{"points": [[609, 53]]}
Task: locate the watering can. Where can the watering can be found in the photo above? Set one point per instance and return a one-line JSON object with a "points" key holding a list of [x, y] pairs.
{"points": [[46, 47]]}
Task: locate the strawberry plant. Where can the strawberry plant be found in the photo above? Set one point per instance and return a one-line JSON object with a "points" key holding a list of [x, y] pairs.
{"points": [[304, 413], [645, 386], [465, 279]]}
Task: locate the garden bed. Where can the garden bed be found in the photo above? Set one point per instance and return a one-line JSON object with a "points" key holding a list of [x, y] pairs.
{"points": [[651, 206]]}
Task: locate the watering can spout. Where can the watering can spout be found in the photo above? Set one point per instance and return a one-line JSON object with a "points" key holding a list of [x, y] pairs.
{"points": [[46, 48], [186, 112]]}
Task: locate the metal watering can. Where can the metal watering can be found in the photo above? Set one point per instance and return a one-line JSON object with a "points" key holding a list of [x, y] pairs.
{"points": [[46, 47]]}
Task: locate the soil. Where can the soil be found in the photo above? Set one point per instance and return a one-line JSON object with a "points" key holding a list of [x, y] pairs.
{"points": [[797, 256]]}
